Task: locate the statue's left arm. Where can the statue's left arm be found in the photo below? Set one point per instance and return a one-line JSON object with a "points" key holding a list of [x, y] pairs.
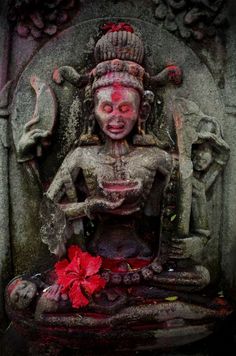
{"points": [[63, 182]]}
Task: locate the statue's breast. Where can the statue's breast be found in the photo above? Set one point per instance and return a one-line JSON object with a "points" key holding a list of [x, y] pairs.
{"points": [[146, 164], [137, 169], [132, 173], [96, 168]]}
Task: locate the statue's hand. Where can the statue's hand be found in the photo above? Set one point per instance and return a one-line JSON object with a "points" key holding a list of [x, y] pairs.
{"points": [[49, 301], [31, 138], [101, 205], [53, 293], [187, 247]]}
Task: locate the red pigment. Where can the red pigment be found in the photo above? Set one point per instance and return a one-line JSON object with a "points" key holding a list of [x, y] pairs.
{"points": [[56, 75], [117, 92], [121, 26], [119, 186], [174, 73], [12, 286], [117, 265]]}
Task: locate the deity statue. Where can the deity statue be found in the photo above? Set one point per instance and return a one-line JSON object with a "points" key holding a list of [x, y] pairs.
{"points": [[116, 179]]}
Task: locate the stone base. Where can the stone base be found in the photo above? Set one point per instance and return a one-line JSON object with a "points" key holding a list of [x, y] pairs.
{"points": [[160, 325]]}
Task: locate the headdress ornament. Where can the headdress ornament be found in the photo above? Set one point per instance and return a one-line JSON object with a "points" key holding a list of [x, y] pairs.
{"points": [[119, 54]]}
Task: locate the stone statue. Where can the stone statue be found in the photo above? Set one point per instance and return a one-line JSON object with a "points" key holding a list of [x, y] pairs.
{"points": [[209, 154], [115, 178]]}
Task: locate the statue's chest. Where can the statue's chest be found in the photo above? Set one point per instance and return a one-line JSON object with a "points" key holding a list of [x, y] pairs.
{"points": [[99, 170]]}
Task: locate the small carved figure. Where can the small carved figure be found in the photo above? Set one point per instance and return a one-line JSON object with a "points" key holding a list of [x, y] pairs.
{"points": [[38, 292], [210, 153], [21, 292]]}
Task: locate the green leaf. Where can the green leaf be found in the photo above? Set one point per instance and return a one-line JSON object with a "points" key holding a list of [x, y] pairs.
{"points": [[172, 298]]}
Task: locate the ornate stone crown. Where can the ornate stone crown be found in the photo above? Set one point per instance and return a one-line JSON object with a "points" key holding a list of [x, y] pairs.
{"points": [[119, 42], [119, 54]]}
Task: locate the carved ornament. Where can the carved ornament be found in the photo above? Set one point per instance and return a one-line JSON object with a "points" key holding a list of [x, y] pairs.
{"points": [[191, 18], [40, 18]]}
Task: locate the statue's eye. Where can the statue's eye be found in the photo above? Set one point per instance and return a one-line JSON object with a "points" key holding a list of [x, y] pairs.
{"points": [[124, 108], [107, 108]]}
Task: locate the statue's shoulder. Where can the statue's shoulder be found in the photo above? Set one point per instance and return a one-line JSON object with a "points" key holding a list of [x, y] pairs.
{"points": [[82, 152], [154, 158], [162, 158]]}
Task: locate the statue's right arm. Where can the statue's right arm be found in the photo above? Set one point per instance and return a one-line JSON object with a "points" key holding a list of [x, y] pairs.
{"points": [[63, 184]]}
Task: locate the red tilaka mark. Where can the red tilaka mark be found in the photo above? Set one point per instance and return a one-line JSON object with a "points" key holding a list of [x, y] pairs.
{"points": [[117, 92], [121, 26]]}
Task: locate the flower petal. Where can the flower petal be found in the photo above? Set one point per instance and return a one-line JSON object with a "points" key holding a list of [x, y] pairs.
{"points": [[60, 267], [66, 281], [77, 277], [93, 284], [76, 296], [89, 264], [73, 251], [74, 267]]}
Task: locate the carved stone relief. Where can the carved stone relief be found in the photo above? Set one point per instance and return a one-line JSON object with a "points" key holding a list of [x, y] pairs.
{"points": [[128, 153], [196, 19], [4, 192]]}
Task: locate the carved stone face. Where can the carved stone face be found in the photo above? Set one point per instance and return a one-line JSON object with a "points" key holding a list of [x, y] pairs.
{"points": [[202, 157], [22, 294], [117, 110]]}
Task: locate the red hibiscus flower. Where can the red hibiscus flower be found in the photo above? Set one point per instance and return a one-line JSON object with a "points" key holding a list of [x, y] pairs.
{"points": [[78, 277]]}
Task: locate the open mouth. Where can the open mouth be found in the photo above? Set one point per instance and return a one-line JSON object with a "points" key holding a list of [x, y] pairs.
{"points": [[201, 163], [115, 128]]}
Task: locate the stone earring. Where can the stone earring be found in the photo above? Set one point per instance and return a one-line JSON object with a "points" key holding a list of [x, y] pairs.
{"points": [[142, 138], [141, 127], [91, 124], [88, 137]]}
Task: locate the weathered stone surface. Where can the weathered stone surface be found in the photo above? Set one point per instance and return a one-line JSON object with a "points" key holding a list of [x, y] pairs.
{"points": [[165, 49], [203, 84], [228, 242], [5, 252]]}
